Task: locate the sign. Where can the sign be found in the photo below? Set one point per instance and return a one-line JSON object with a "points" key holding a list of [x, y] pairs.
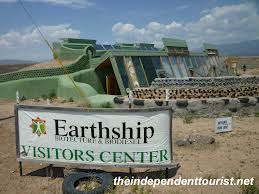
{"points": [[127, 137], [223, 124]]}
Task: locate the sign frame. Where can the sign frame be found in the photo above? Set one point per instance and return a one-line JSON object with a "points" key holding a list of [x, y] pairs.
{"points": [[32, 107]]}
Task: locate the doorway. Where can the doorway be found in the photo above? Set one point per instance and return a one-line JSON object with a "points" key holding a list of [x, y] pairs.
{"points": [[108, 79]]}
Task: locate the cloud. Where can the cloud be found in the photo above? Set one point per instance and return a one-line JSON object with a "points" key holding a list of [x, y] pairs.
{"points": [[225, 24], [28, 44], [182, 7], [68, 3]]}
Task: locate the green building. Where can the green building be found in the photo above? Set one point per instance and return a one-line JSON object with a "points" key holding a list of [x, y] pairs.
{"points": [[100, 69]]}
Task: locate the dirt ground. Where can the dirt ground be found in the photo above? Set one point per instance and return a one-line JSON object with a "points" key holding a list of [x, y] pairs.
{"points": [[235, 154]]}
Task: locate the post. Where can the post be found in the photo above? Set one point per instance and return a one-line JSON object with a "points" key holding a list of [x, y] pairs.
{"points": [[167, 104], [130, 95], [51, 170], [17, 97], [130, 172], [166, 173], [20, 167], [129, 92], [167, 96]]}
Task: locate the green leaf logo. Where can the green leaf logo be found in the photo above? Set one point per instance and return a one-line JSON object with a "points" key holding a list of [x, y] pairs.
{"points": [[38, 126]]}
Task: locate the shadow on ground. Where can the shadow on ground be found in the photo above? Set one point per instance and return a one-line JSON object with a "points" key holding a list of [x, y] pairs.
{"points": [[153, 173]]}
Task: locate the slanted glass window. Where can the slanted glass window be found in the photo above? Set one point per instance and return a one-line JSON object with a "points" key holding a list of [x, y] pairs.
{"points": [[187, 62], [207, 62], [182, 66], [175, 67], [115, 46], [188, 65], [122, 70], [156, 62], [149, 68], [158, 66], [140, 72], [98, 47], [205, 67], [212, 63], [107, 46], [194, 63], [200, 66], [167, 67]]}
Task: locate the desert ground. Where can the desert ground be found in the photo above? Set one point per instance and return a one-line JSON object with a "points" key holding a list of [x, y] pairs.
{"points": [[252, 64], [234, 154]]}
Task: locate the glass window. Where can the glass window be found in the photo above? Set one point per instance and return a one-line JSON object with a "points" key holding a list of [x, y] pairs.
{"points": [[188, 65], [207, 62], [107, 46], [212, 63], [167, 66], [175, 67], [205, 67], [194, 63], [140, 72], [116, 46], [200, 66], [187, 62], [182, 66], [149, 68], [122, 70], [156, 63], [160, 71], [98, 47]]}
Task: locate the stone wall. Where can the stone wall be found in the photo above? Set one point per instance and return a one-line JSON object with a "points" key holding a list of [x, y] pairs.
{"points": [[213, 107], [200, 87]]}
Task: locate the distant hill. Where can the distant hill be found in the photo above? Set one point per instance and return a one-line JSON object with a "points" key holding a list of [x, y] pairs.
{"points": [[246, 48], [15, 62]]}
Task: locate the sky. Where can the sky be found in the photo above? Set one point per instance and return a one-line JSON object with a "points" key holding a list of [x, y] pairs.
{"points": [[196, 21]]}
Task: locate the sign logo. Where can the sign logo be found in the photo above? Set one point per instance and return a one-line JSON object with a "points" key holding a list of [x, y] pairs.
{"points": [[38, 126]]}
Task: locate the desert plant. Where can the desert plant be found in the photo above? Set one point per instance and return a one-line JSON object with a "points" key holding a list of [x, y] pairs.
{"points": [[188, 119], [44, 97], [84, 104], [257, 114], [52, 94], [70, 99], [36, 99], [249, 189], [106, 105], [139, 190], [23, 98]]}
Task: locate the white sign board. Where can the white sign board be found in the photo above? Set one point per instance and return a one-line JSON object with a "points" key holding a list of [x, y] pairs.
{"points": [[97, 136], [223, 124]]}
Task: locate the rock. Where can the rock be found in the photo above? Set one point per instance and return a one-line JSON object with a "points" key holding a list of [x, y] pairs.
{"points": [[118, 100], [182, 142], [201, 139], [1, 124], [182, 103], [159, 102], [226, 101], [138, 102], [243, 100]]}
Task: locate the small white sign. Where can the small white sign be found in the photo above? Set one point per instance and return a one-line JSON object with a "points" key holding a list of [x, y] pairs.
{"points": [[223, 124]]}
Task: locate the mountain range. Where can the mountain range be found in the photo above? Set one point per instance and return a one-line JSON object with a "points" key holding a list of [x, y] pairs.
{"points": [[245, 48]]}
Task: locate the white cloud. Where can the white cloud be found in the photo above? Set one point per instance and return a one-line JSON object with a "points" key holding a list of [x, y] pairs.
{"points": [[226, 24], [182, 7], [28, 44], [72, 3]]}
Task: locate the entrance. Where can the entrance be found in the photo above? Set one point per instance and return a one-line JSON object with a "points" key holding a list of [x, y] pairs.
{"points": [[107, 77]]}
